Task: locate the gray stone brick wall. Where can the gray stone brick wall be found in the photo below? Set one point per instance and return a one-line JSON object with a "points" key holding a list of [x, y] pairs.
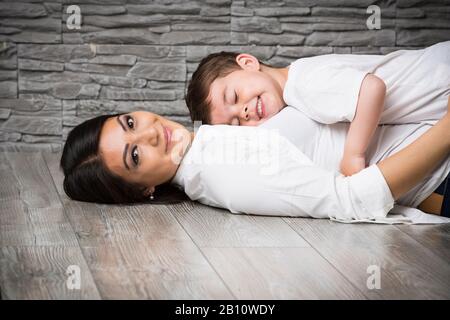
{"points": [[138, 54]]}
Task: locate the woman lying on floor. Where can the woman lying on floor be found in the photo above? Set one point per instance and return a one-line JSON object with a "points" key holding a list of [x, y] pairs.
{"points": [[141, 156]]}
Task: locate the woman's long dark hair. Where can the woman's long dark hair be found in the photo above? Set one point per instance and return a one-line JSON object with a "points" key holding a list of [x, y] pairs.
{"points": [[86, 178]]}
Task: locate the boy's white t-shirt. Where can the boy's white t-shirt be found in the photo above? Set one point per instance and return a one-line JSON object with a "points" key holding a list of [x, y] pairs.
{"points": [[326, 88]]}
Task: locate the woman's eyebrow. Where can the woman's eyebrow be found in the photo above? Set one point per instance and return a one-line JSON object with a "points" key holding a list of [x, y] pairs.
{"points": [[125, 151], [121, 124]]}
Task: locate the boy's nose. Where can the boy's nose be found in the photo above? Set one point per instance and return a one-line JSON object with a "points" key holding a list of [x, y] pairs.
{"points": [[244, 113]]}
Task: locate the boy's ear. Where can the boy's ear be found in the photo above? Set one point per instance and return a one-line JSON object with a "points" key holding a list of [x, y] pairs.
{"points": [[247, 62]]}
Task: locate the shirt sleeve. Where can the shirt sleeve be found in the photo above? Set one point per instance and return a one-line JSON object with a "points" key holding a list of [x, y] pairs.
{"points": [[296, 187], [327, 93]]}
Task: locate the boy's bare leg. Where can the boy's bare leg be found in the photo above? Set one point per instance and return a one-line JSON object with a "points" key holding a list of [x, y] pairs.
{"points": [[432, 204], [409, 166]]}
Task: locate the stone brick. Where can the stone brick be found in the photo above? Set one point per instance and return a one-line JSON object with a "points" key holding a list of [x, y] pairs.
{"points": [[28, 64], [29, 105], [92, 108], [118, 81], [76, 91], [219, 2], [350, 12], [4, 113], [301, 28], [40, 139], [180, 37], [22, 10], [48, 24], [158, 71], [255, 24], [200, 26], [366, 50], [139, 54], [410, 13], [412, 3], [112, 93], [423, 24], [8, 56], [352, 38], [280, 62], [59, 53], [8, 89], [32, 36], [150, 52], [8, 75], [158, 85], [239, 38], [325, 19], [66, 76], [92, 9], [61, 90], [423, 37], [124, 60], [281, 11], [304, 51], [437, 12], [196, 53], [114, 36], [32, 125], [27, 147], [186, 8], [9, 136], [97, 68], [200, 19], [282, 39], [125, 21], [214, 12], [342, 50], [240, 10]]}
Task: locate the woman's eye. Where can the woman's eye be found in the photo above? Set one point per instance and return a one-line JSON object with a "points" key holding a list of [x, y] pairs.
{"points": [[135, 155], [130, 122]]}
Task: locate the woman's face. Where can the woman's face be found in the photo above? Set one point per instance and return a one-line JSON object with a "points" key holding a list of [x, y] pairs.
{"points": [[142, 147]]}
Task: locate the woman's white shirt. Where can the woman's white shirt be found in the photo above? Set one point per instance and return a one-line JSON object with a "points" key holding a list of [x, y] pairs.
{"points": [[255, 170]]}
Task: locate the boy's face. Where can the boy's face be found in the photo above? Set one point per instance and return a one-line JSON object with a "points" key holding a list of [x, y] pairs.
{"points": [[245, 97]]}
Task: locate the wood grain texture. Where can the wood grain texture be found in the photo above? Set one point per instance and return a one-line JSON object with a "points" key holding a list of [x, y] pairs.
{"points": [[32, 213], [37, 242], [40, 272], [408, 269], [213, 227], [139, 251], [191, 251], [280, 273], [436, 238]]}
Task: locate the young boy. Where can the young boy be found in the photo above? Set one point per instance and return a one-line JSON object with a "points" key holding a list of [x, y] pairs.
{"points": [[406, 86]]}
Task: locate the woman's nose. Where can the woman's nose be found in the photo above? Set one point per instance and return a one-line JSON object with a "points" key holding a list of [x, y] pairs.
{"points": [[149, 135]]}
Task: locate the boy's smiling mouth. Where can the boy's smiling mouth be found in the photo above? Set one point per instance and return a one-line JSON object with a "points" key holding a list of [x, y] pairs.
{"points": [[259, 108]]}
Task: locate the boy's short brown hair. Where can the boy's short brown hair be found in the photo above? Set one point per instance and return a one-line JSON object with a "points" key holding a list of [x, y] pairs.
{"points": [[213, 66]]}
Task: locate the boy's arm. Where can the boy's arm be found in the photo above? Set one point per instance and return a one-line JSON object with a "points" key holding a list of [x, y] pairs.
{"points": [[368, 112]]}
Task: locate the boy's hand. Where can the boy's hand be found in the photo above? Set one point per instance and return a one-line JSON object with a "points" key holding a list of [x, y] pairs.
{"points": [[352, 163]]}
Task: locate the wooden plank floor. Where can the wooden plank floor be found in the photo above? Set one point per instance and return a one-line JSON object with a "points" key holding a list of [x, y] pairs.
{"points": [[190, 251]]}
